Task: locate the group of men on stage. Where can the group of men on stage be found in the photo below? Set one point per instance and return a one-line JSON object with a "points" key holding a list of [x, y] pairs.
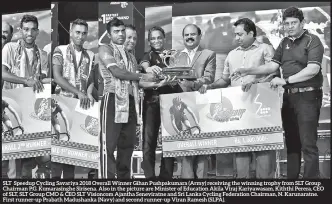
{"points": [[76, 75], [299, 54]]}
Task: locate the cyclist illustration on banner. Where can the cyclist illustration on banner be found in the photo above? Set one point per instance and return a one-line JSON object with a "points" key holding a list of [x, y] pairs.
{"points": [[179, 119], [6, 122], [56, 130]]}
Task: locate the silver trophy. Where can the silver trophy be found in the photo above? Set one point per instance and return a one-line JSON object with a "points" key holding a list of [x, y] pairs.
{"points": [[177, 65]]}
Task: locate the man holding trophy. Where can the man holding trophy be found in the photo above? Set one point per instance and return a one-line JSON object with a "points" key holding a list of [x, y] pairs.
{"points": [[203, 66], [153, 62], [119, 105]]}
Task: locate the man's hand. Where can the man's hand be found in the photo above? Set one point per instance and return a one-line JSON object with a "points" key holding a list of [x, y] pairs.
{"points": [[187, 83], [150, 77], [277, 82], [204, 88], [247, 86], [36, 84], [84, 101], [47, 80], [154, 69], [238, 73], [92, 100], [166, 81]]}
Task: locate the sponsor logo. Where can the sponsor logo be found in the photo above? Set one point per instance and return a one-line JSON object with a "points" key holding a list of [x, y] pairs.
{"points": [[42, 109], [224, 111], [91, 126], [123, 4], [263, 110], [105, 18]]}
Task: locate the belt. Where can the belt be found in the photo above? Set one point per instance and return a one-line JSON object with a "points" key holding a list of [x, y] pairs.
{"points": [[300, 90]]}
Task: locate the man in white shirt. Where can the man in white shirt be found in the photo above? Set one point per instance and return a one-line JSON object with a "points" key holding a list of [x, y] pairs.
{"points": [[23, 65], [72, 65]]}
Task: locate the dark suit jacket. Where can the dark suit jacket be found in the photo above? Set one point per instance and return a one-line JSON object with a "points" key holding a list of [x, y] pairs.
{"points": [[204, 64]]}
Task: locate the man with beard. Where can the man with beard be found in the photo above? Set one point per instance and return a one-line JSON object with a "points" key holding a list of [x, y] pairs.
{"points": [[72, 65], [25, 65], [203, 62], [300, 56], [152, 63], [119, 105], [249, 53]]}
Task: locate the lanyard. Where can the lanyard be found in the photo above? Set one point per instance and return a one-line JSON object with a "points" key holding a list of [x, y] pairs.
{"points": [[28, 67], [74, 58]]}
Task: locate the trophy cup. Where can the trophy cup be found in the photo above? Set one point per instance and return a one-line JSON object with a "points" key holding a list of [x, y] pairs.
{"points": [[177, 65]]}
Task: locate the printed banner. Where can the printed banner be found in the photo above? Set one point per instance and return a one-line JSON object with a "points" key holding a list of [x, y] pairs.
{"points": [[35, 115], [241, 122], [82, 147], [108, 10]]}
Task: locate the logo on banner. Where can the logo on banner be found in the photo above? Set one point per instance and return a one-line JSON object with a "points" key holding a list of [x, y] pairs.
{"points": [[224, 112], [262, 111], [123, 4], [42, 109], [91, 126], [105, 18]]}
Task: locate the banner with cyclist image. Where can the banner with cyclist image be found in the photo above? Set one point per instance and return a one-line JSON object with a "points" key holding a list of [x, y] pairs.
{"points": [[74, 132], [25, 124], [221, 121]]}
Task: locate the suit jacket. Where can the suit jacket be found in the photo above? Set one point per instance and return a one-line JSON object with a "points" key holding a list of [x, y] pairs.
{"points": [[204, 64]]}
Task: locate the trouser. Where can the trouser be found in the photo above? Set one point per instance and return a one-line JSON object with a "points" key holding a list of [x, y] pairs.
{"points": [[67, 171], [300, 115], [265, 164], [11, 168], [194, 167], [117, 135], [27, 164], [151, 122]]}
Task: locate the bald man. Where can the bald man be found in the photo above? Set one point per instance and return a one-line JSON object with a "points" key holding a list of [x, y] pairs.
{"points": [[7, 33]]}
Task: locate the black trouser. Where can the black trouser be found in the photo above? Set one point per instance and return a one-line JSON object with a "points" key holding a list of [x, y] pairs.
{"points": [[118, 135], [59, 168], [151, 122], [300, 115]]}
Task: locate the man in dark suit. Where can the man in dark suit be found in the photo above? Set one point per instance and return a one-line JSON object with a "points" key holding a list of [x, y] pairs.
{"points": [[203, 62]]}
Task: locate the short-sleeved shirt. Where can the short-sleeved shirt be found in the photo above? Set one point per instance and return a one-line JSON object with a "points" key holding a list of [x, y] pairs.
{"points": [[179, 115], [255, 55], [153, 58], [58, 59], [108, 78], [9, 55], [293, 55]]}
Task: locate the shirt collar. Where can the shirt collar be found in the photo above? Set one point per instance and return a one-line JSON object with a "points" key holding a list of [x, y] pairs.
{"points": [[120, 47], [254, 44], [187, 51], [305, 31]]}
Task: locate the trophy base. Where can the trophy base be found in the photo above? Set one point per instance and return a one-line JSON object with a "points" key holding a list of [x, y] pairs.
{"points": [[180, 77], [180, 73]]}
